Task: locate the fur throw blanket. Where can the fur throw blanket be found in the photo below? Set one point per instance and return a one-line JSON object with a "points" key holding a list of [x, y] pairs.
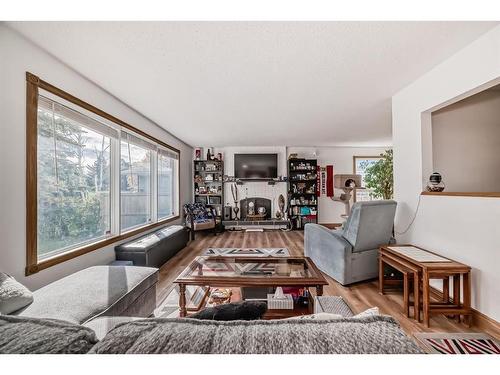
{"points": [[373, 334], [22, 335]]}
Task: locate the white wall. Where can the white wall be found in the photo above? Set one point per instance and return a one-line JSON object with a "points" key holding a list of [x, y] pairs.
{"points": [[340, 157], [18, 56], [463, 228]]}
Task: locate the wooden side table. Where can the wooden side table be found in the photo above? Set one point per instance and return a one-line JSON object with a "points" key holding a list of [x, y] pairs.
{"points": [[410, 272], [456, 306], [445, 270]]}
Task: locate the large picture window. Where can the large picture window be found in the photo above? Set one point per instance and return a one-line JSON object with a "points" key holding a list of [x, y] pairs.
{"points": [[91, 178]]}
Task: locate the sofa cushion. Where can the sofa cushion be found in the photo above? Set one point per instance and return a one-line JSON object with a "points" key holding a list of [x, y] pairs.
{"points": [[99, 290], [13, 294], [22, 335], [374, 334]]}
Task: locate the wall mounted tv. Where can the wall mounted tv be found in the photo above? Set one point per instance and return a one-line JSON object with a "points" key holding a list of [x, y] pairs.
{"points": [[255, 166]]}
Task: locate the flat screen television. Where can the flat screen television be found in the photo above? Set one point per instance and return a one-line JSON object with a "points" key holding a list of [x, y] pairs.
{"points": [[255, 166]]}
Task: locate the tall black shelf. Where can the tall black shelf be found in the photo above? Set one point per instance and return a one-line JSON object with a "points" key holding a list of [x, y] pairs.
{"points": [[208, 184], [302, 192]]}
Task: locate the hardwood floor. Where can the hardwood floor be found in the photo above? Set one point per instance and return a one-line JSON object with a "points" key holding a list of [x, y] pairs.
{"points": [[359, 296]]}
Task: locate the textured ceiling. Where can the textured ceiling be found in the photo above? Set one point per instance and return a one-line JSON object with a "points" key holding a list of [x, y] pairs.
{"points": [[257, 83]]}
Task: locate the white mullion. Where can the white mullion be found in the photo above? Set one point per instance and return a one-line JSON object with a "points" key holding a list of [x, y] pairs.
{"points": [[115, 186], [154, 186]]}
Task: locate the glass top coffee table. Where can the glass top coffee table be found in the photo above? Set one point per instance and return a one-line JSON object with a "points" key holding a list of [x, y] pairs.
{"points": [[264, 272]]}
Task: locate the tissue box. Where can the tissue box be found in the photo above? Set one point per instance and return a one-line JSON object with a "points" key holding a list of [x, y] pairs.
{"points": [[285, 303]]}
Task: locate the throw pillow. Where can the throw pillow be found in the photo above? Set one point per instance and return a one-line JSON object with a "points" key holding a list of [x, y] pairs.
{"points": [[369, 312], [13, 295], [22, 335], [247, 310]]}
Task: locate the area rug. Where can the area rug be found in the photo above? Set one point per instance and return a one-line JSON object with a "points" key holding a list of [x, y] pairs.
{"points": [[458, 343], [248, 251]]}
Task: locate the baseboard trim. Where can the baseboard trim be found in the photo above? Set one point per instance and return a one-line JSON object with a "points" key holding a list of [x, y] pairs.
{"points": [[479, 320]]}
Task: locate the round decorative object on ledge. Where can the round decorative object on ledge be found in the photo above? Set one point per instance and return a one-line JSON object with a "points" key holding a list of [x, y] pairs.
{"points": [[435, 183]]}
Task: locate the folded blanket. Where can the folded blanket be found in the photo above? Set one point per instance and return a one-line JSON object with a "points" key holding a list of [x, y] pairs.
{"points": [[373, 334]]}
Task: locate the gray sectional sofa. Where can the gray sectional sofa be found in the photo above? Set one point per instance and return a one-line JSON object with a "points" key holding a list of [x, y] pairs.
{"points": [[334, 334], [94, 292]]}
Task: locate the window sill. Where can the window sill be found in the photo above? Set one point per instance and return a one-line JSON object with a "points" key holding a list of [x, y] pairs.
{"points": [[71, 254], [462, 194]]}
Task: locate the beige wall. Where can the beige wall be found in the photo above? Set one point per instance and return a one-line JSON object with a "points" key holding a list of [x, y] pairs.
{"points": [[466, 143]]}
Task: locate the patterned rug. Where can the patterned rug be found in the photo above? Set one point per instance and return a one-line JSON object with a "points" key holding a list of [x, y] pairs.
{"points": [[458, 343], [245, 251]]}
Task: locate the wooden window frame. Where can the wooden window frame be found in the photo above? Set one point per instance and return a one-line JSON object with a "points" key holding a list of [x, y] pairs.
{"points": [[33, 84]]}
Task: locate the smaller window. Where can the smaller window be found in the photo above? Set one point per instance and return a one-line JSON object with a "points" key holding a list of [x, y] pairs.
{"points": [[167, 184], [361, 163]]}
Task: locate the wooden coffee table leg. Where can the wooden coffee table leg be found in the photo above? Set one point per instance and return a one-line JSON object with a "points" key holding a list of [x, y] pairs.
{"points": [[182, 301], [416, 297], [425, 291], [319, 290]]}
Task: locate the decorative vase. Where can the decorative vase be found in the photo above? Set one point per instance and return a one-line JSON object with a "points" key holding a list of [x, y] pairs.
{"points": [[236, 210]]}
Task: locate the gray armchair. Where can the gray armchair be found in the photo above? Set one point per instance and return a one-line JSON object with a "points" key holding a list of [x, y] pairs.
{"points": [[350, 255]]}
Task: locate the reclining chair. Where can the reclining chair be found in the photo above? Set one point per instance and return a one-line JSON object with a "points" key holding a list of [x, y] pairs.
{"points": [[350, 255]]}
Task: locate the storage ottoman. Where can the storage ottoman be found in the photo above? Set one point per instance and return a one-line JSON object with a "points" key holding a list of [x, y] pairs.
{"points": [[154, 249]]}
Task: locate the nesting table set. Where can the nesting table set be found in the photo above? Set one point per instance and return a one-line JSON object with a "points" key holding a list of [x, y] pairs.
{"points": [[418, 267]]}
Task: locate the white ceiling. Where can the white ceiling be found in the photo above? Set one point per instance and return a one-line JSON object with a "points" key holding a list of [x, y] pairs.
{"points": [[258, 83]]}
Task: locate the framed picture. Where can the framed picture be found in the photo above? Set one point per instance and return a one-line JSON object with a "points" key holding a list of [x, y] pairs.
{"points": [[359, 166], [201, 200], [213, 200]]}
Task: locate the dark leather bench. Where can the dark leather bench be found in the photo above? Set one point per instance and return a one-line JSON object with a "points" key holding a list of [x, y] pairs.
{"points": [[154, 249]]}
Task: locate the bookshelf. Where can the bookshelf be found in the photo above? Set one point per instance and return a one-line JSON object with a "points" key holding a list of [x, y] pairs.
{"points": [[208, 184], [302, 192]]}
